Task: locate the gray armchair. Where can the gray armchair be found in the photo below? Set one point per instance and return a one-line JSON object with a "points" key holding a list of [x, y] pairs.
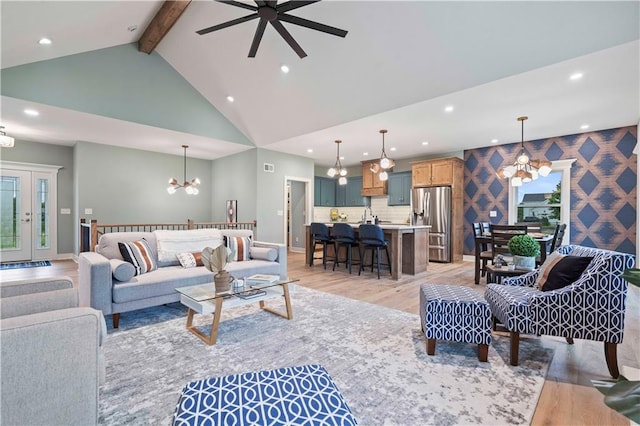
{"points": [[51, 361]]}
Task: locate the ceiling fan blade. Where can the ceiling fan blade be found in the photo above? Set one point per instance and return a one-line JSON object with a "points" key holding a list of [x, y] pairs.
{"points": [[312, 25], [257, 37], [288, 38], [238, 4], [227, 24], [261, 3], [271, 3], [291, 5]]}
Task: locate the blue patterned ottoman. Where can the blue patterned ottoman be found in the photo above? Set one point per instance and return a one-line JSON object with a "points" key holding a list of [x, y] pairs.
{"points": [[455, 313], [285, 396]]}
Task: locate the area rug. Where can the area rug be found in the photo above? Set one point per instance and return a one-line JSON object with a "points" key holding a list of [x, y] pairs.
{"points": [[375, 355], [18, 265]]}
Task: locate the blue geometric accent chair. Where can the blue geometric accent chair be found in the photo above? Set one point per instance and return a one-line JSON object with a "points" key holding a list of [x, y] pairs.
{"points": [[320, 235], [304, 395], [592, 307], [455, 313], [372, 238]]}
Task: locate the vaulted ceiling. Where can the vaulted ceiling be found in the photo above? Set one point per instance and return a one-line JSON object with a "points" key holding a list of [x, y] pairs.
{"points": [[399, 66]]}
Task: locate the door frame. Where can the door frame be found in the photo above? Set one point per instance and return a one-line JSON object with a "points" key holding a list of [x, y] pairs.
{"points": [[52, 170], [308, 204]]}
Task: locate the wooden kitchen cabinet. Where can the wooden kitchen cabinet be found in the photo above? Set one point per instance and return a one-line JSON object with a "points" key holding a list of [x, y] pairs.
{"points": [[441, 172], [371, 183]]}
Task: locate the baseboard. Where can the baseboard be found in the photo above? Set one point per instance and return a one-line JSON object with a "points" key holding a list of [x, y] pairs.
{"points": [[468, 258], [297, 249]]}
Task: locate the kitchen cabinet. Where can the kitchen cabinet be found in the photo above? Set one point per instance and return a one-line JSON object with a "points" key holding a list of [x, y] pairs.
{"points": [[349, 195], [324, 192], [371, 183], [399, 189], [439, 172]]}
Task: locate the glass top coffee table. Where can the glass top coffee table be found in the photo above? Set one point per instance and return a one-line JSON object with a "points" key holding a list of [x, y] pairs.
{"points": [[202, 299]]}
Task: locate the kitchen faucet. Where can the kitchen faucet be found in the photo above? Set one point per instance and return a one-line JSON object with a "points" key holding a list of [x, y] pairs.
{"points": [[364, 215]]}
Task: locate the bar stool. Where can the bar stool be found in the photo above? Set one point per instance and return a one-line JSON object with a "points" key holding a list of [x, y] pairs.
{"points": [[372, 238], [344, 236], [320, 235]]}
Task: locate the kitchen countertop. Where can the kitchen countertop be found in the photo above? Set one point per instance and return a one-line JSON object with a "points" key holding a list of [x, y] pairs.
{"points": [[386, 225]]}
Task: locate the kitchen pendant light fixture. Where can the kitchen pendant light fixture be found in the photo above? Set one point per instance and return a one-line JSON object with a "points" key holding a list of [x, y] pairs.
{"points": [[189, 187], [5, 141], [385, 162], [337, 169], [524, 170]]}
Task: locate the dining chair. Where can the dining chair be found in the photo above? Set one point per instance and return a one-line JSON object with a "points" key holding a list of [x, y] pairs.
{"points": [[558, 235], [483, 252], [500, 236], [320, 235], [344, 236], [532, 227], [372, 238]]}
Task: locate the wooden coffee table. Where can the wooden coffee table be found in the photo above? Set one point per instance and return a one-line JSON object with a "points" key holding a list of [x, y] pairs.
{"points": [[202, 299], [495, 275]]}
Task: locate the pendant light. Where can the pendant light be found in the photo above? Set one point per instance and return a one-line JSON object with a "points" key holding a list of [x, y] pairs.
{"points": [[189, 187], [385, 162], [524, 170], [5, 141], [337, 169]]}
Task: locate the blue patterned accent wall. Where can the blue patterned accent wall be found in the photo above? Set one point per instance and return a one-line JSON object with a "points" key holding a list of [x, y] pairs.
{"points": [[603, 185]]}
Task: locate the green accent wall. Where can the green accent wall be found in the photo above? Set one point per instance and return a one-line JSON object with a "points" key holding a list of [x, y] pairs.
{"points": [[234, 178], [121, 83]]}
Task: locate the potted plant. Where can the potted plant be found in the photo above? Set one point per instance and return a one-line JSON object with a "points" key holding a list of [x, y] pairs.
{"points": [[215, 260], [524, 249]]}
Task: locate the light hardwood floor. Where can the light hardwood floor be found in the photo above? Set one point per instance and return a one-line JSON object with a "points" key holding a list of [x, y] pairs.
{"points": [[567, 397]]}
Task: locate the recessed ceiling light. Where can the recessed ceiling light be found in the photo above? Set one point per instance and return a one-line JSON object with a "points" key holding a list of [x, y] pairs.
{"points": [[393, 148], [44, 40], [284, 69], [584, 126], [31, 112], [365, 153], [575, 76], [494, 140], [425, 143], [448, 108], [230, 98], [309, 150]]}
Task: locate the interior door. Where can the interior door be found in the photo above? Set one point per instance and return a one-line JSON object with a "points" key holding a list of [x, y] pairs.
{"points": [[16, 222]]}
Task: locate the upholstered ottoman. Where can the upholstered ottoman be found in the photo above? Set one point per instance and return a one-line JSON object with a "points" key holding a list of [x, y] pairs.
{"points": [[285, 396], [455, 313]]}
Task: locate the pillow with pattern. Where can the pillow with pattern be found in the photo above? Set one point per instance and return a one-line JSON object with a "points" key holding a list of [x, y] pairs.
{"points": [[139, 255], [239, 246], [190, 260]]}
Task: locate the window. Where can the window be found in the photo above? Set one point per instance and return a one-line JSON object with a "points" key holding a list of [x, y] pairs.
{"points": [[545, 200]]}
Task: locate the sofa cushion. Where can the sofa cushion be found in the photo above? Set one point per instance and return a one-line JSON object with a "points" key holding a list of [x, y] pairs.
{"points": [[170, 243], [190, 260], [108, 243], [252, 267], [139, 255], [122, 270], [239, 246], [263, 253]]}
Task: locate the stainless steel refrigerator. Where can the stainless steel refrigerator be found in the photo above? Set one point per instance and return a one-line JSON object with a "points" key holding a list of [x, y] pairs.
{"points": [[432, 206]]}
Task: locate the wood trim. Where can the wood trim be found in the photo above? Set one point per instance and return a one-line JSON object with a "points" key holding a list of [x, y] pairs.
{"points": [[169, 13]]}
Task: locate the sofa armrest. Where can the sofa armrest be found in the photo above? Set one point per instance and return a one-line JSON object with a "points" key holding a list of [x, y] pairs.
{"points": [[95, 281], [51, 367], [38, 285], [282, 255], [34, 303]]}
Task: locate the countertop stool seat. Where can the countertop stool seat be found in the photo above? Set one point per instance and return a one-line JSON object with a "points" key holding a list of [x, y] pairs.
{"points": [[285, 396], [455, 313]]}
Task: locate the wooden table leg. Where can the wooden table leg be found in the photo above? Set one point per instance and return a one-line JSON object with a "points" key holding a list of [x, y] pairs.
{"points": [[213, 335], [287, 302]]}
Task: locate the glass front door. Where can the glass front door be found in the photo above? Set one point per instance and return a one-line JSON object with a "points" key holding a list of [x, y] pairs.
{"points": [[15, 215]]}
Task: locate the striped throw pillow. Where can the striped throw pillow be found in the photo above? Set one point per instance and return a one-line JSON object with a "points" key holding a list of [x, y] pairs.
{"points": [[239, 246], [139, 255]]}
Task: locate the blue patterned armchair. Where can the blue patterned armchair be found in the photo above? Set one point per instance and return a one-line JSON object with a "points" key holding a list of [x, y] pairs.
{"points": [[592, 307]]}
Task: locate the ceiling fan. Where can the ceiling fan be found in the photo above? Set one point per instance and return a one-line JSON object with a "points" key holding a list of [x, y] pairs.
{"points": [[270, 12]]}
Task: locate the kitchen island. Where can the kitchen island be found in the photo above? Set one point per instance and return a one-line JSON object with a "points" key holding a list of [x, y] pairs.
{"points": [[408, 247]]}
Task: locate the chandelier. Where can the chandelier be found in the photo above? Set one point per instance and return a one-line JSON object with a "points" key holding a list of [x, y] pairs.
{"points": [[337, 169], [5, 141], [189, 187], [384, 164], [524, 170]]}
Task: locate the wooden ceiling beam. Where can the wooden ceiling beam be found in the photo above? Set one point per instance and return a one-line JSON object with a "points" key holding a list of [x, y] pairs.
{"points": [[160, 25]]}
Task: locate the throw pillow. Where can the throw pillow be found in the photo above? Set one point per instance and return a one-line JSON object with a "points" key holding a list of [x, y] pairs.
{"points": [[264, 253], [239, 246], [190, 260], [121, 270], [564, 271], [543, 270], [139, 255]]}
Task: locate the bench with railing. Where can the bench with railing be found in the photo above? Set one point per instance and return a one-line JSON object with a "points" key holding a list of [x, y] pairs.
{"points": [[90, 231]]}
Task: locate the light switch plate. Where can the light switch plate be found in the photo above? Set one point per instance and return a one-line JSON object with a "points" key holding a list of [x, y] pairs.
{"points": [[279, 212], [65, 211], [88, 211]]}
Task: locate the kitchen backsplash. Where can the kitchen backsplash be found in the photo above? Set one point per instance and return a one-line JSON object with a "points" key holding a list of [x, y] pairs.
{"points": [[379, 207]]}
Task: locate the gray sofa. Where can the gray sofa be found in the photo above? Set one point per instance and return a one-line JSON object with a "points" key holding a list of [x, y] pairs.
{"points": [[99, 289], [52, 362]]}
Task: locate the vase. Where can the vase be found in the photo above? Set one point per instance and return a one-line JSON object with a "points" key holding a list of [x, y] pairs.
{"points": [[222, 281], [528, 263]]}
